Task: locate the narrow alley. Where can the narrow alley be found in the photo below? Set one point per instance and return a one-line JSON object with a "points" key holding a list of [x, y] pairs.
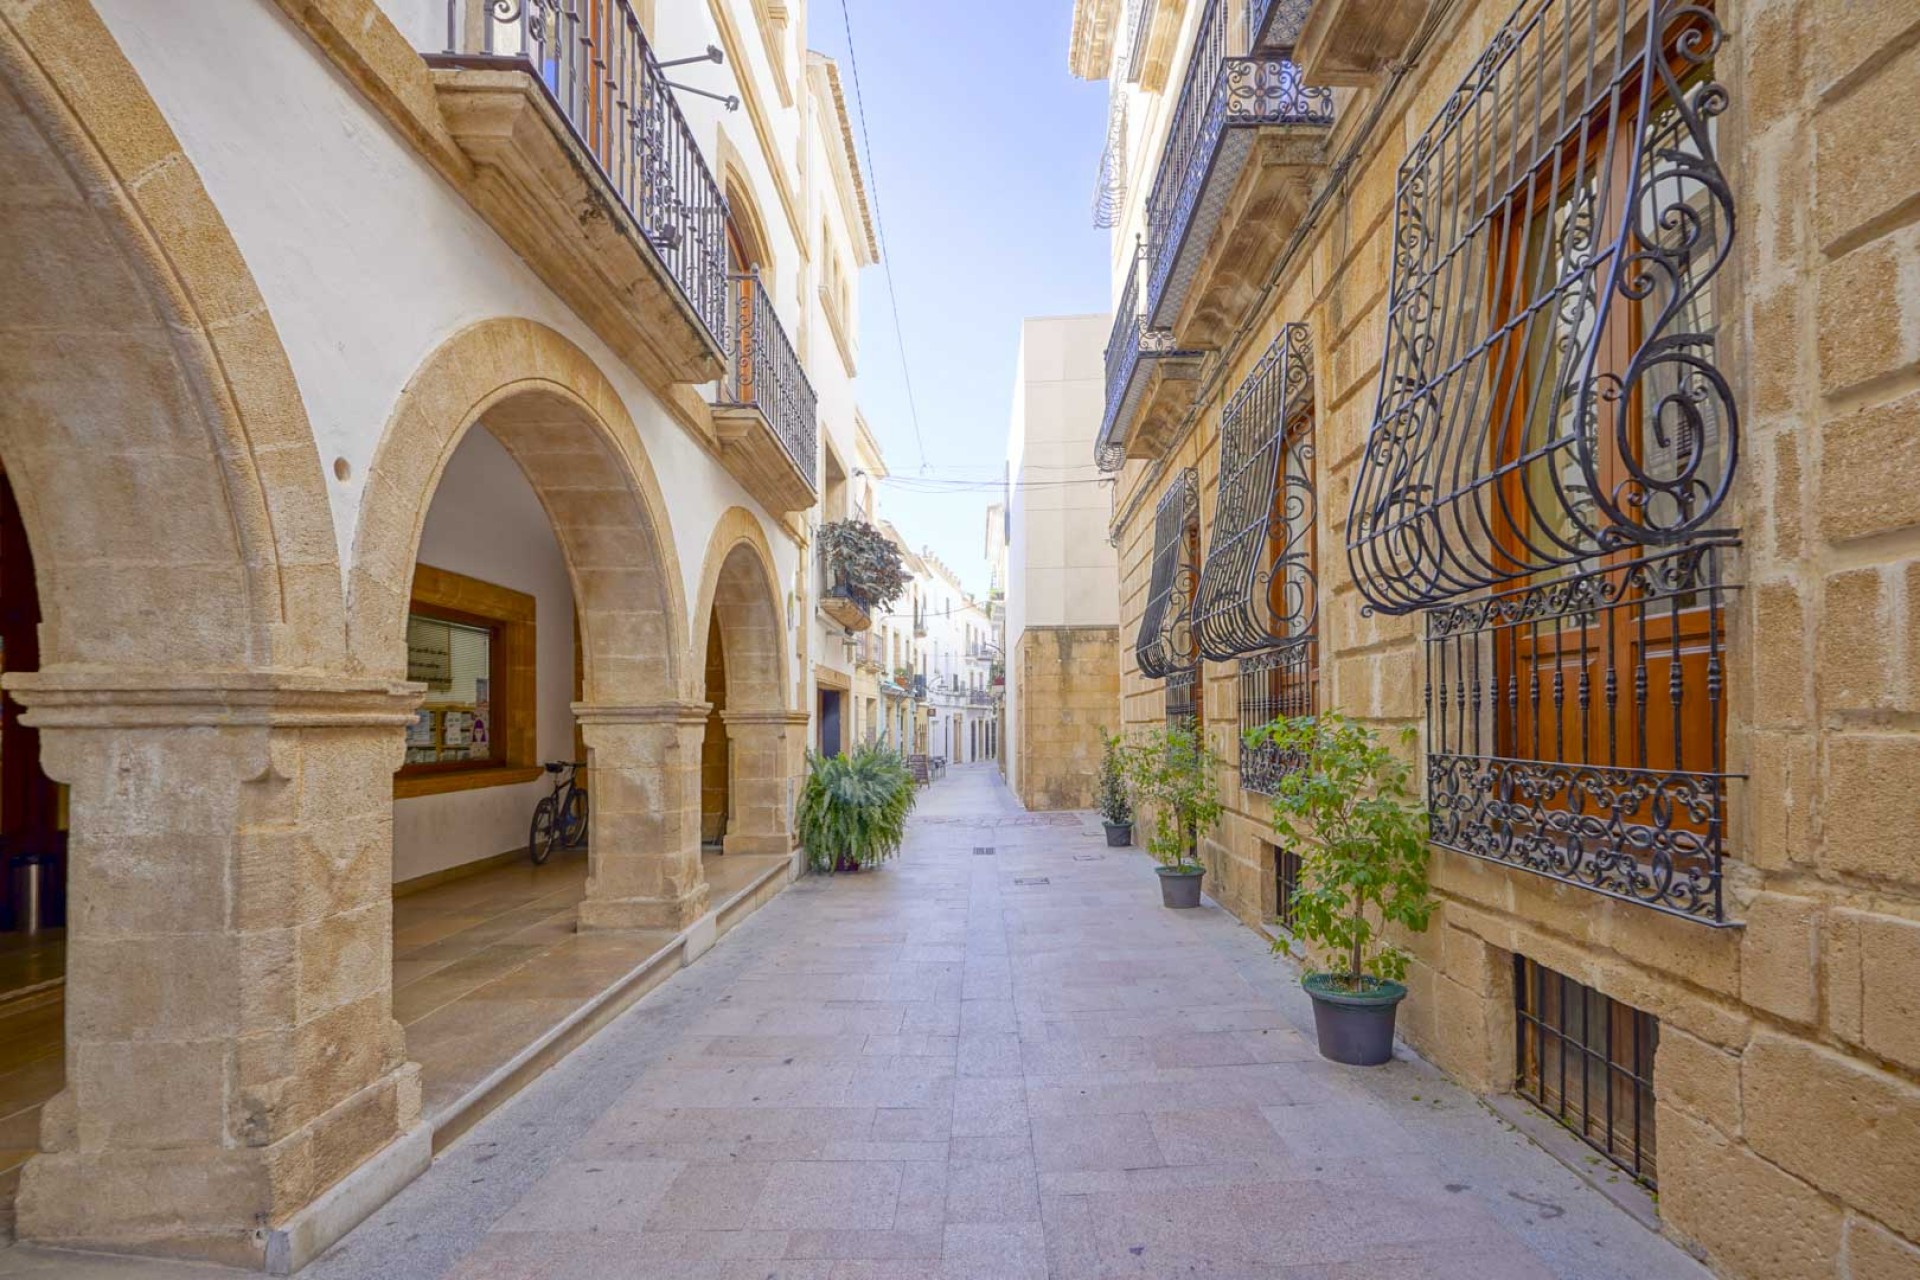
{"points": [[996, 1057]]}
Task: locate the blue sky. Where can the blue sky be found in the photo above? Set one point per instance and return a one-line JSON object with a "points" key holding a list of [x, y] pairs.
{"points": [[984, 153]]}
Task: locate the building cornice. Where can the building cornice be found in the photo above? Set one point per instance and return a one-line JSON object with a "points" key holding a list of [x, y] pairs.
{"points": [[1090, 47], [849, 182]]}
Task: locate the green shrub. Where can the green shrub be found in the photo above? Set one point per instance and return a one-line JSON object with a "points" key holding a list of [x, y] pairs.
{"points": [[1171, 772], [1115, 807], [853, 810], [1350, 811]]}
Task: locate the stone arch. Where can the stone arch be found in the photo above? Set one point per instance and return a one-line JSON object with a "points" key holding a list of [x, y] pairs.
{"points": [[740, 597], [167, 475], [191, 692], [568, 430], [570, 433]]}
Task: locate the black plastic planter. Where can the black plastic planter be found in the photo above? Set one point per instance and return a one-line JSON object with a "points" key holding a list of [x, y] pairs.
{"points": [[1354, 1027], [1119, 834], [1180, 888]]}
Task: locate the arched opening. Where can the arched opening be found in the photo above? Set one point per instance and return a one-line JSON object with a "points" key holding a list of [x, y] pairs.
{"points": [[752, 738]]}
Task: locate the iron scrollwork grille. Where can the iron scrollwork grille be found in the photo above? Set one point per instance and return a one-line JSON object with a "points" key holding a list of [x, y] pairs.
{"points": [[1258, 588], [1275, 684], [1164, 647], [1475, 475], [1110, 188], [1553, 446], [763, 371], [1576, 729], [599, 69]]}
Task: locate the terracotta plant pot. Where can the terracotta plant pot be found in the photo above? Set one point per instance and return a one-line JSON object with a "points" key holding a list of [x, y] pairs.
{"points": [[1180, 888], [1354, 1027]]}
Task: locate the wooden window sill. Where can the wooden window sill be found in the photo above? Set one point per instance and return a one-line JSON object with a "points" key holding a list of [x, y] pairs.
{"points": [[408, 785]]}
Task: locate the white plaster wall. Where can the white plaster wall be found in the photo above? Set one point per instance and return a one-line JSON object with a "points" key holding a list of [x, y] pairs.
{"points": [[368, 261], [487, 523]]}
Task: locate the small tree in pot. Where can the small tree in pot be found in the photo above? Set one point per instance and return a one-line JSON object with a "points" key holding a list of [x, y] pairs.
{"points": [[1350, 811], [1172, 772], [1116, 810]]}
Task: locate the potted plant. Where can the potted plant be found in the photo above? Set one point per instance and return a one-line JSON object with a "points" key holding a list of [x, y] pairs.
{"points": [[1350, 811], [853, 809], [1172, 772], [864, 571], [1116, 810]]}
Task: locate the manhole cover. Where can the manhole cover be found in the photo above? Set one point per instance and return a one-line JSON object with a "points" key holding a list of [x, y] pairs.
{"points": [[983, 851], [1031, 880]]}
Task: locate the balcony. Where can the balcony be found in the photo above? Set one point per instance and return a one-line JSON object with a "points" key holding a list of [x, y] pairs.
{"points": [[584, 164], [1149, 381], [1247, 143], [980, 697], [766, 419]]}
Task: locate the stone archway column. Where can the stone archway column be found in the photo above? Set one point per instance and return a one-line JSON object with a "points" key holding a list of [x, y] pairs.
{"points": [[231, 1053], [764, 746], [643, 848]]}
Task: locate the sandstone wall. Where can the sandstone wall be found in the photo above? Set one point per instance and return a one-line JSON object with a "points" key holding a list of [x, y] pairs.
{"points": [[1069, 680]]}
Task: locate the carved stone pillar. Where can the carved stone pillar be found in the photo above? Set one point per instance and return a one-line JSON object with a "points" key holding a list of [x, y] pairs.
{"points": [[231, 1052], [643, 846], [760, 778]]}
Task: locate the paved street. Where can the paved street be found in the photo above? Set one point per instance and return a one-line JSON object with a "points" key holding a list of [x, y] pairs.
{"points": [[998, 1057]]}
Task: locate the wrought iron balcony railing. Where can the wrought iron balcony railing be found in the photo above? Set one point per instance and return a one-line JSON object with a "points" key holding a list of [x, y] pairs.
{"points": [[980, 697], [600, 72], [764, 374], [1129, 345], [1222, 98]]}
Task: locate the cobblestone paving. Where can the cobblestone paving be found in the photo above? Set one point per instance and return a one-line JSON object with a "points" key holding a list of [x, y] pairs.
{"points": [[998, 1057]]}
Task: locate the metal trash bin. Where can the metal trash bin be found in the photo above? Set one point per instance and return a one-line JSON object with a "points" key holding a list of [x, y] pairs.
{"points": [[30, 892]]}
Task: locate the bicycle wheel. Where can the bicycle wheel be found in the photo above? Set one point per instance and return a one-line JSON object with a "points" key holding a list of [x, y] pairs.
{"points": [[573, 819], [544, 833]]}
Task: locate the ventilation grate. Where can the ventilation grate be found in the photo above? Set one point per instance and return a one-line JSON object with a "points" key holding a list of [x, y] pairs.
{"points": [[983, 851], [1031, 880]]}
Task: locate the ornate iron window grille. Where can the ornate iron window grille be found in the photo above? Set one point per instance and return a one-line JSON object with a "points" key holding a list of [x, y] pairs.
{"points": [[1129, 344], [1471, 478], [763, 372], [1575, 729], [1183, 697], [1165, 644], [1258, 589], [1220, 97], [600, 73], [1277, 683], [1553, 445], [1110, 188], [1572, 1043]]}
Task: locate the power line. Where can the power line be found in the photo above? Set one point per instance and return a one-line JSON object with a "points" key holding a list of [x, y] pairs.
{"points": [[880, 230]]}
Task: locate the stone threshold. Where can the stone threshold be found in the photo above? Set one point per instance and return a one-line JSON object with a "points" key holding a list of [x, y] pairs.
{"points": [[449, 1123]]}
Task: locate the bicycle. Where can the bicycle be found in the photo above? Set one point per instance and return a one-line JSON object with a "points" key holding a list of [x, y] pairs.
{"points": [[560, 819]]}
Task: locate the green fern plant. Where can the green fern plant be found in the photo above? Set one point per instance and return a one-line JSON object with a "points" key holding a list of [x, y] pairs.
{"points": [[853, 810]]}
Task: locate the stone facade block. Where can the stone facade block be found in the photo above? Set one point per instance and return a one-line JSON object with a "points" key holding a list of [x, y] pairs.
{"points": [[1751, 1218], [1780, 957], [1870, 476], [1068, 685], [1863, 164], [1700, 1078], [1874, 1253], [1862, 336], [1855, 671], [1780, 654], [1873, 983], [1848, 33], [1780, 790], [1872, 807], [1775, 325], [1848, 1129]]}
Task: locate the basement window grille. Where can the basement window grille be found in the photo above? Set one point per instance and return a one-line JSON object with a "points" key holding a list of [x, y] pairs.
{"points": [[1286, 883], [1553, 446], [1587, 1061]]}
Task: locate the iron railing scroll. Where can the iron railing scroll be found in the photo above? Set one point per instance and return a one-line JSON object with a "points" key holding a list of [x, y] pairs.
{"points": [[601, 74], [764, 372]]}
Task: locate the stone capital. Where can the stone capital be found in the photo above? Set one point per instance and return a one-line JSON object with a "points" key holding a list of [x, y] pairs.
{"points": [[70, 699], [780, 718], [682, 713]]}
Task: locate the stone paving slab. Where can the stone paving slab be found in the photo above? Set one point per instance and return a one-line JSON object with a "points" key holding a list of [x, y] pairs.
{"points": [[933, 1072]]}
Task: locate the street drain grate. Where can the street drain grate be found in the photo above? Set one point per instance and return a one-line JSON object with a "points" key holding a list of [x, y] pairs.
{"points": [[983, 851], [1031, 880], [1089, 857]]}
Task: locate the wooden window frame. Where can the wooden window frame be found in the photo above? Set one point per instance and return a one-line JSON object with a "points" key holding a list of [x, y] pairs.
{"points": [[447, 596]]}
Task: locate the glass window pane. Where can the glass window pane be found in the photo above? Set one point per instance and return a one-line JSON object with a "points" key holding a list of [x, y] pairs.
{"points": [[455, 661]]}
